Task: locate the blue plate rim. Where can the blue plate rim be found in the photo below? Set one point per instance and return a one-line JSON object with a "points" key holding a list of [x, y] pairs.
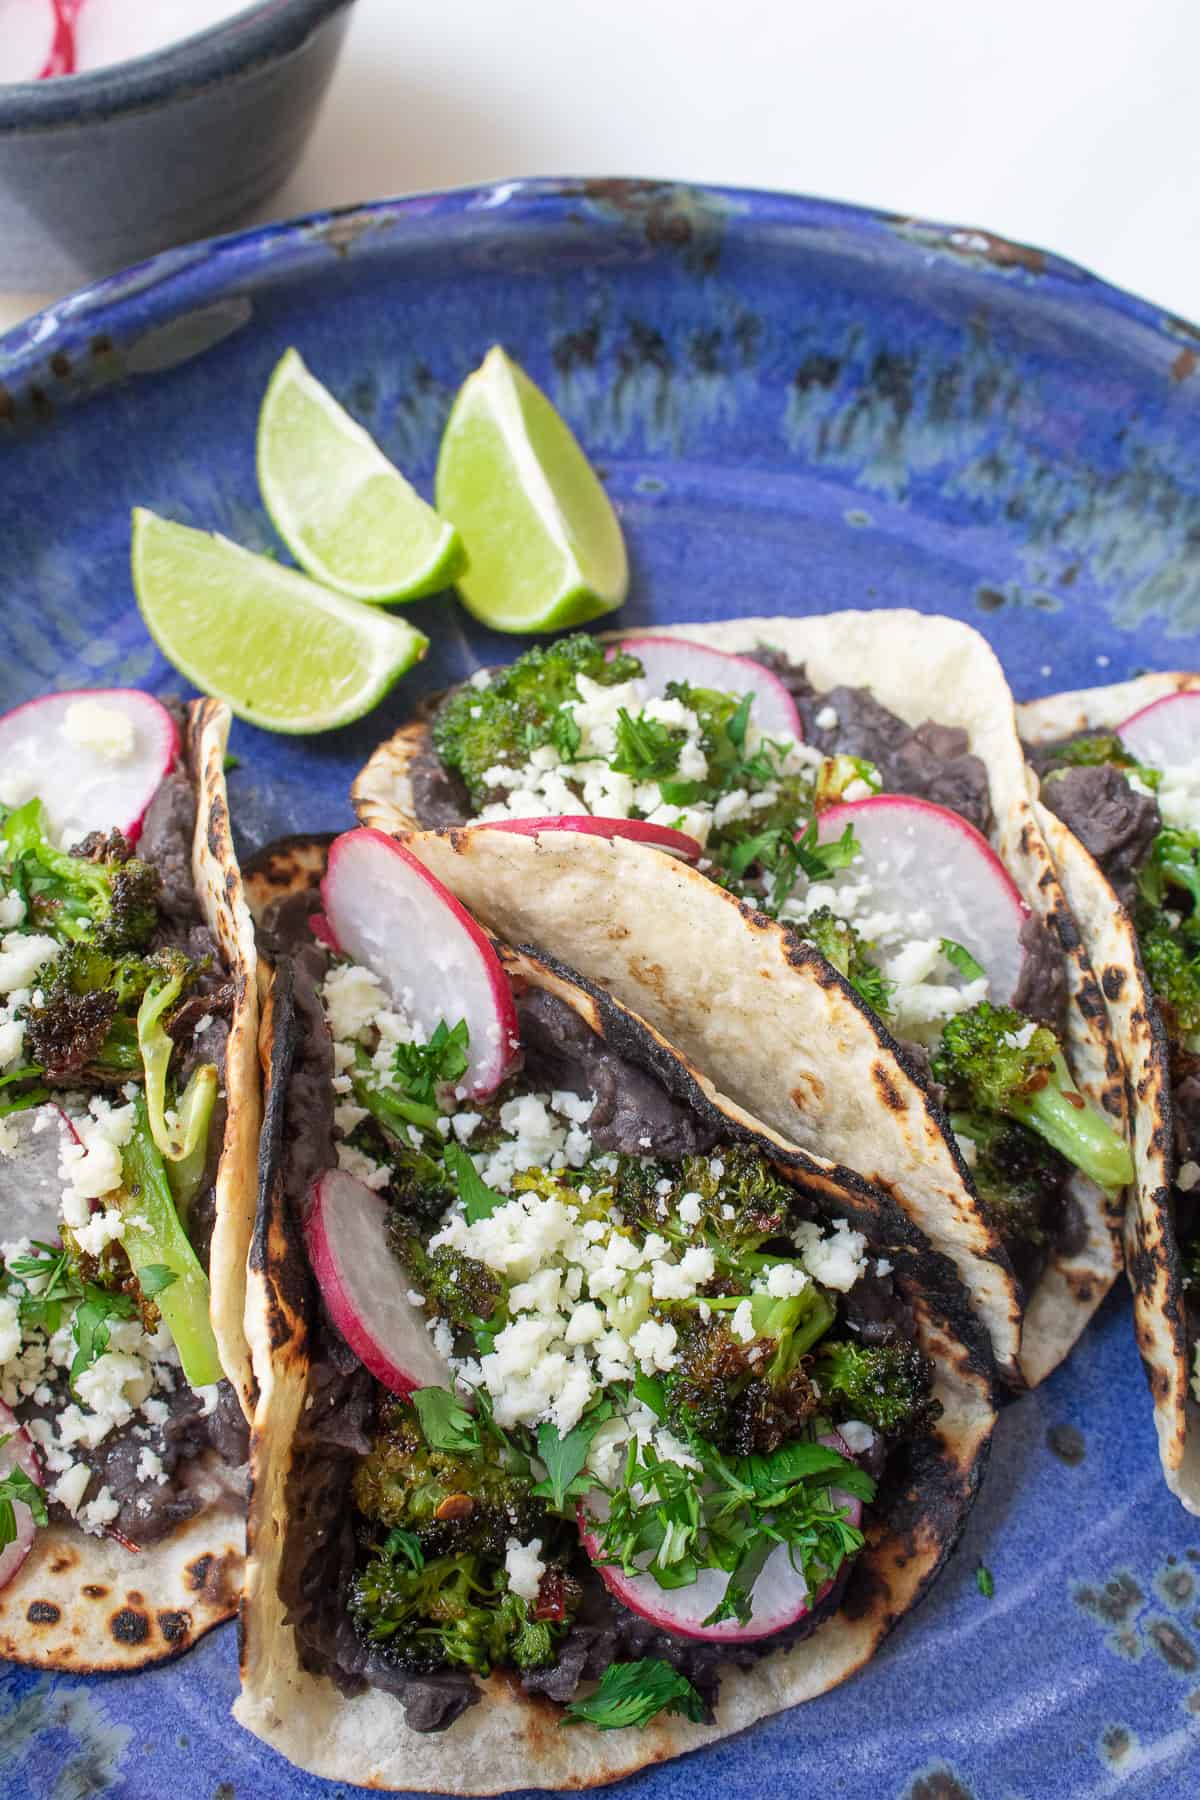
{"points": [[200, 272]]}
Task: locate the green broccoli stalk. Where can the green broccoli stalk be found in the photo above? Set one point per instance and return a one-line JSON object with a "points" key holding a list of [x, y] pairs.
{"points": [[155, 1240], [522, 707], [185, 1171], [991, 1060], [888, 1386], [98, 891], [168, 974]]}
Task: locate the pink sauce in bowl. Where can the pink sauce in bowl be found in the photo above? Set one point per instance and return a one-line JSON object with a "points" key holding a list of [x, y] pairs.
{"points": [[44, 38]]}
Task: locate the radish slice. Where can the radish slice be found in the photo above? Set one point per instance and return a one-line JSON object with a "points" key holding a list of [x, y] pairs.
{"points": [[30, 1185], [387, 912], [364, 1286], [917, 855], [667, 659], [1165, 734], [94, 757], [638, 831], [780, 1595], [18, 1452]]}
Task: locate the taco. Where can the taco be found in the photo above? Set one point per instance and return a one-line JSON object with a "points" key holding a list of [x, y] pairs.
{"points": [[887, 826], [129, 1114], [518, 1270], [1119, 771]]}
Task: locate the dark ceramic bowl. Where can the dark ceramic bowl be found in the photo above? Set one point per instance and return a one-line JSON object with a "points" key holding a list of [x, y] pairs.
{"points": [[102, 169]]}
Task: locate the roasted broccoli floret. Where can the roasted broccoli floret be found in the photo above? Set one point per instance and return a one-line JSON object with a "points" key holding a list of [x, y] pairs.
{"points": [[104, 894], [478, 728], [743, 1202], [1016, 1174], [1171, 871], [456, 1287], [454, 1611], [746, 1397], [1173, 970], [840, 944], [889, 1386], [451, 1501], [992, 1060], [86, 1024]]}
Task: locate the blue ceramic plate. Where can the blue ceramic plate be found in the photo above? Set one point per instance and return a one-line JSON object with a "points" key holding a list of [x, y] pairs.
{"points": [[796, 407]]}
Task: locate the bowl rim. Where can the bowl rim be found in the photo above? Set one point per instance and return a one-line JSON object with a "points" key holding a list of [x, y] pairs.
{"points": [[258, 31]]}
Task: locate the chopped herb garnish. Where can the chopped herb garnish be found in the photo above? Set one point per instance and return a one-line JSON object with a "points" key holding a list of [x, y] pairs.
{"points": [[51, 1268], [420, 1068], [89, 1326], [960, 958], [564, 1457], [646, 749], [154, 1278], [479, 1200], [445, 1421], [634, 1693], [18, 1486], [984, 1581]]}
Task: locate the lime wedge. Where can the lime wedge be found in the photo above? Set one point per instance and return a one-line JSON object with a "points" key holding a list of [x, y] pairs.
{"points": [[543, 542], [344, 512], [285, 653]]}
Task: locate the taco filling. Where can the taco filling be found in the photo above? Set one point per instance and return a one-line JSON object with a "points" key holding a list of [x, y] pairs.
{"points": [[907, 901], [1131, 796], [114, 1009], [673, 1386]]}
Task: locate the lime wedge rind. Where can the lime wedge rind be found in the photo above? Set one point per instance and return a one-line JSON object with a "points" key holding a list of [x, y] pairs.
{"points": [[543, 542], [345, 512], [283, 652]]}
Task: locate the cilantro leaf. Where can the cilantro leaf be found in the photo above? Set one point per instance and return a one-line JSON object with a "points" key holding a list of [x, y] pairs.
{"points": [[479, 1200], [18, 1486], [735, 727], [407, 1544], [89, 1326], [819, 861], [50, 1268], [564, 1457], [420, 1067], [646, 749], [634, 1693], [960, 958], [984, 1581], [445, 1421], [154, 1278], [565, 734]]}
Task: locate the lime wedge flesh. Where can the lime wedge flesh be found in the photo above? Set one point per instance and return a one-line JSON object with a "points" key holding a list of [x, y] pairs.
{"points": [[344, 512], [285, 653], [544, 546]]}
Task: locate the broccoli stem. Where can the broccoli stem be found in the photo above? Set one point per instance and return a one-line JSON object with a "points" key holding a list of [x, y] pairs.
{"points": [[154, 1236], [185, 1172], [1076, 1130], [395, 1114], [156, 1046]]}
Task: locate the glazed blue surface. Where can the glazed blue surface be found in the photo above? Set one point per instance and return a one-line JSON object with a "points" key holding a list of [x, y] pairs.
{"points": [[795, 406]]}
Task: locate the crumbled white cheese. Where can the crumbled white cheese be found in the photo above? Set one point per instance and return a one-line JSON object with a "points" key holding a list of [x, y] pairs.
{"points": [[353, 999], [690, 1208], [99, 1512], [856, 1436], [654, 1346], [103, 730], [150, 1466], [524, 1566], [10, 1329], [71, 1486], [1188, 1176], [22, 954], [12, 909], [784, 1280], [103, 1228], [837, 1261], [356, 1162], [827, 719], [742, 1322]]}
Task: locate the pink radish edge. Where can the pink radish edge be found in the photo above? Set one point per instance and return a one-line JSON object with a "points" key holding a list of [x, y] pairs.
{"points": [[1143, 736], [387, 947], [151, 720], [724, 671], [669, 1608], [638, 831], [20, 1452], [364, 1286]]}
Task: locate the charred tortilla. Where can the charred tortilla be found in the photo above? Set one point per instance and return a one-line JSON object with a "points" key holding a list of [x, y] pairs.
{"points": [[1151, 1246], [511, 1738], [763, 1016]]}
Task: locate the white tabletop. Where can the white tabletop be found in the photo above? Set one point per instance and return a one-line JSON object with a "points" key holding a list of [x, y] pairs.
{"points": [[1058, 122]]}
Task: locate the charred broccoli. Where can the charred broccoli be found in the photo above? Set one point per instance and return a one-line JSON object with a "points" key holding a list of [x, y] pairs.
{"points": [[451, 1501], [99, 892], [888, 1386], [86, 1023], [749, 1397], [519, 710], [1017, 1176], [456, 1287], [1173, 970], [454, 1610], [743, 1202], [840, 944], [992, 1060]]}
